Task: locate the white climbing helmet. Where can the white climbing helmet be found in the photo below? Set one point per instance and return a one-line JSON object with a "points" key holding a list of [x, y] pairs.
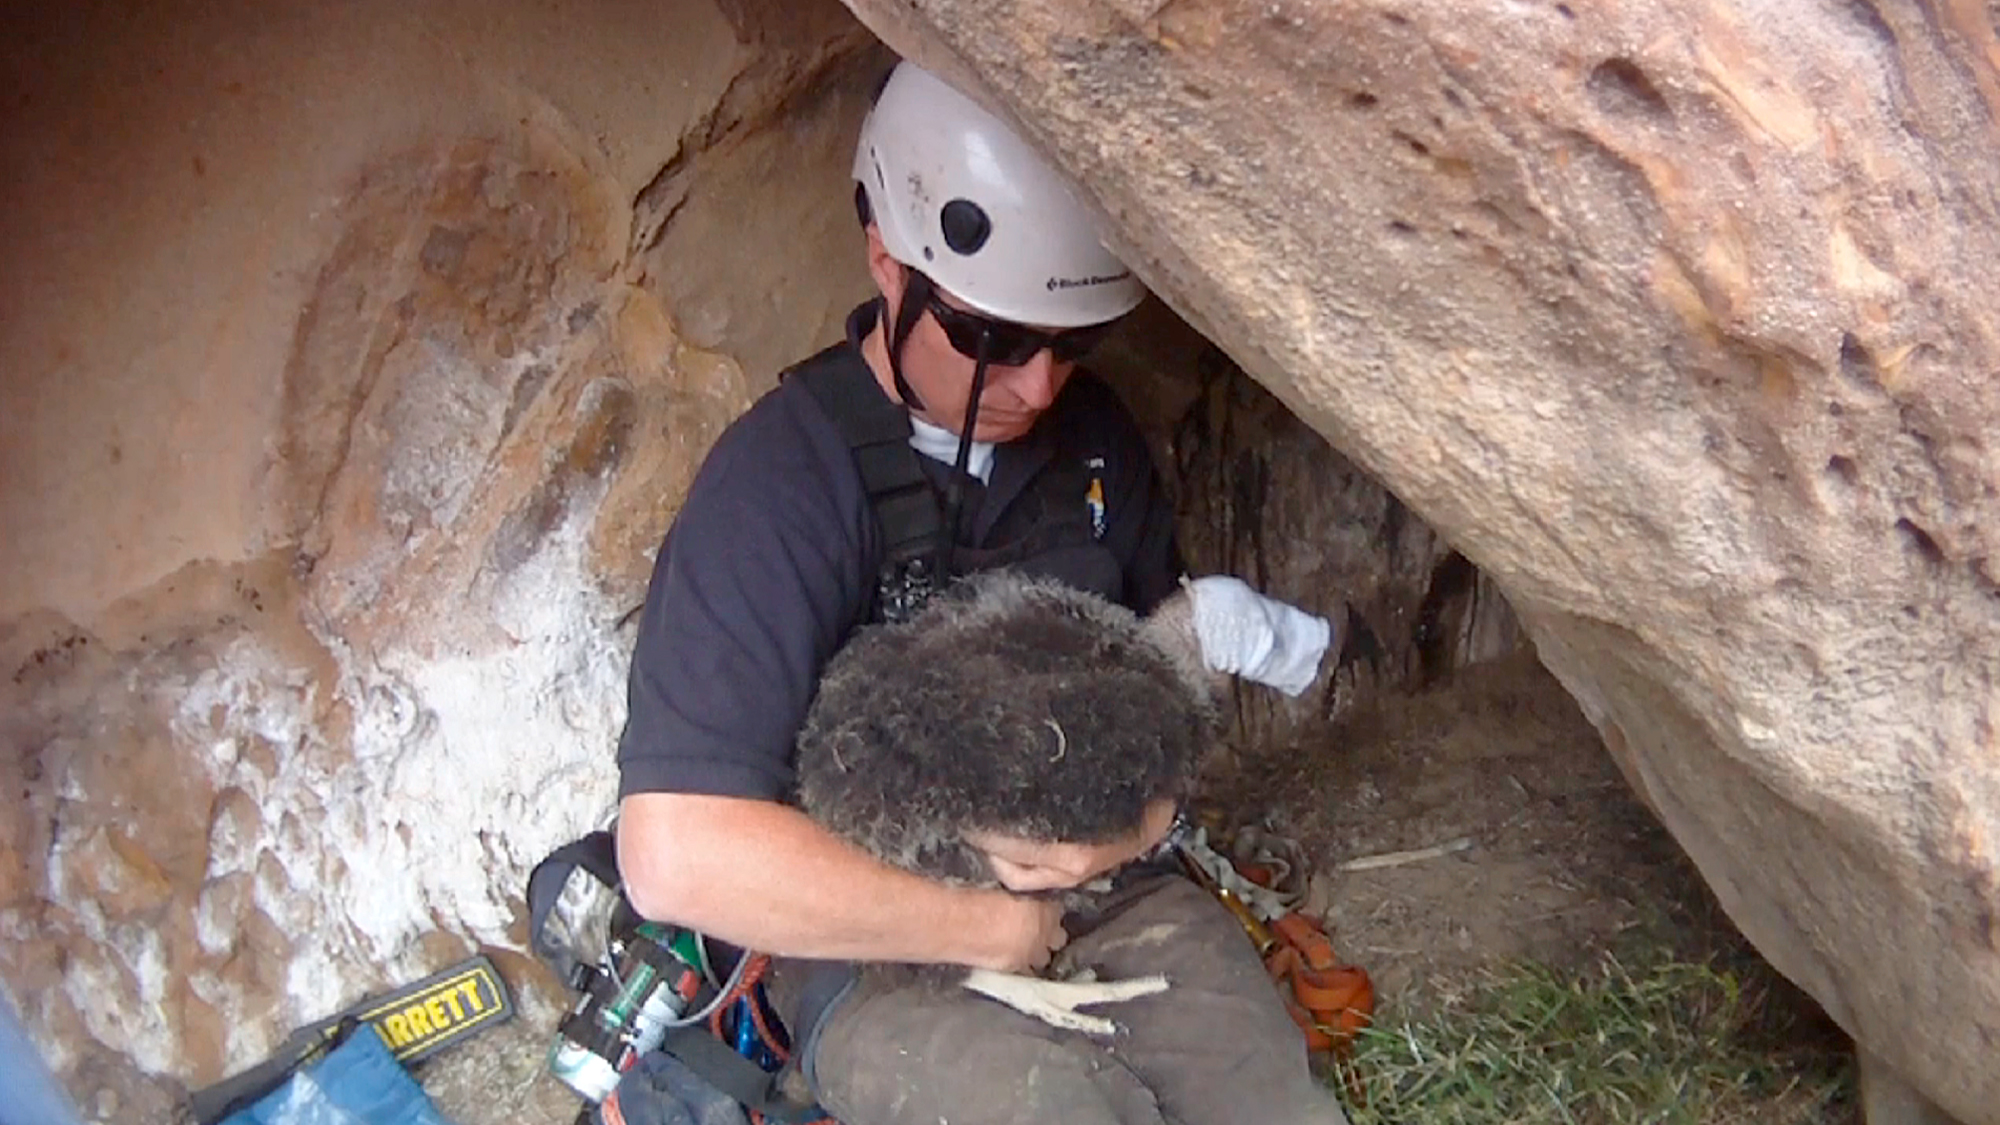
{"points": [[957, 195]]}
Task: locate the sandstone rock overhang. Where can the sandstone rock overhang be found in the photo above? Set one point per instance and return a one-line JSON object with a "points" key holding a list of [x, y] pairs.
{"points": [[1678, 318]]}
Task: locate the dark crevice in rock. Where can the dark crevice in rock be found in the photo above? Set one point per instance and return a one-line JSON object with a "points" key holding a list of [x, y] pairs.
{"points": [[1985, 579], [1920, 541], [1452, 580], [603, 434], [526, 390], [1620, 88], [444, 251], [1359, 645], [1261, 496], [1869, 17], [1857, 362], [755, 96], [654, 208]]}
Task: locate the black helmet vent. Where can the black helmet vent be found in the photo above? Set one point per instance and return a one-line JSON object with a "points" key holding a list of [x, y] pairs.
{"points": [[966, 226]]}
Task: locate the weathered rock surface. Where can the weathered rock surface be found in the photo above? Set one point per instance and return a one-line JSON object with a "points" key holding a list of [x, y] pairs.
{"points": [[347, 398], [356, 356], [1677, 318]]}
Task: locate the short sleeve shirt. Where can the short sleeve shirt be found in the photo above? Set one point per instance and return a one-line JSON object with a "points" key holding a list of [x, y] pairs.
{"points": [[772, 561]]}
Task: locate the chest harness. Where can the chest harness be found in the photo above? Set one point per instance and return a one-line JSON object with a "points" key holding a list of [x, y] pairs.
{"points": [[925, 540]]}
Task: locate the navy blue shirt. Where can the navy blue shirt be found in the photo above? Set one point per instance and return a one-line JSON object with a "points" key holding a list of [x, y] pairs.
{"points": [[771, 565]]}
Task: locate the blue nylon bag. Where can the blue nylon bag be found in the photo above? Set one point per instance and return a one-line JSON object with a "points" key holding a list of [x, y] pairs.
{"points": [[29, 1095], [357, 1083]]}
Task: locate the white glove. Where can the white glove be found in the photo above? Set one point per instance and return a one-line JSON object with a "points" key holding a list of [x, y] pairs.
{"points": [[1258, 638]]}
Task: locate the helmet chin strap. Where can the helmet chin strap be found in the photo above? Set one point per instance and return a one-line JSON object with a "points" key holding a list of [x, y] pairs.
{"points": [[916, 295], [955, 491]]}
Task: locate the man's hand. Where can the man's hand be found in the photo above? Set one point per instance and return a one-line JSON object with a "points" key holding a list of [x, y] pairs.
{"points": [[1032, 933], [764, 876]]}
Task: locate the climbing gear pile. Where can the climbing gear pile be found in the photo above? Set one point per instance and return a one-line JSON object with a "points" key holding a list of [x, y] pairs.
{"points": [[652, 990], [1330, 1001]]}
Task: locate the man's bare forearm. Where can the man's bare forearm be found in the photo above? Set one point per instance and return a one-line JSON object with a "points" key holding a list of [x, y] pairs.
{"points": [[764, 876]]}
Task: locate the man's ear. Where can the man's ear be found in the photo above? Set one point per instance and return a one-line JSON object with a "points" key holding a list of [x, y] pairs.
{"points": [[888, 274]]}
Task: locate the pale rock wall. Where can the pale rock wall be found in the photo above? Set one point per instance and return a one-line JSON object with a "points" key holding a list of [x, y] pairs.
{"points": [[356, 356], [1677, 317]]}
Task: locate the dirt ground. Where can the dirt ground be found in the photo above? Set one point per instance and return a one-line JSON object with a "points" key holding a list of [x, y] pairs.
{"points": [[1564, 864]]}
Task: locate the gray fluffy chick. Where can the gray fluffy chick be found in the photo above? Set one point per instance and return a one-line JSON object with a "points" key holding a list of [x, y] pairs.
{"points": [[1011, 705]]}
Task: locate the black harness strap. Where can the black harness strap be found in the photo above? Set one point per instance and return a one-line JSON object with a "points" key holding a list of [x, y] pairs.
{"points": [[596, 853], [738, 1077], [877, 432]]}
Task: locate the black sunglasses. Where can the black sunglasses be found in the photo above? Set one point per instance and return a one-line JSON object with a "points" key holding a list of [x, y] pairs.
{"points": [[1009, 344]]}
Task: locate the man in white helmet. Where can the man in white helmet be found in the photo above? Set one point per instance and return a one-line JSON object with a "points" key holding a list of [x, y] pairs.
{"points": [[950, 432]]}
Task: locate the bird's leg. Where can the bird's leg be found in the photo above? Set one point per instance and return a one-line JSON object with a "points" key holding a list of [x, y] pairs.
{"points": [[1055, 1002]]}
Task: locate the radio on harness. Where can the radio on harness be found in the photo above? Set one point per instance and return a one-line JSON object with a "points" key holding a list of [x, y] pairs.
{"points": [[625, 1007], [648, 991]]}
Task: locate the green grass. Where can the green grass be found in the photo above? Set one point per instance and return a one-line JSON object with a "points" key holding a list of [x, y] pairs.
{"points": [[1670, 1043]]}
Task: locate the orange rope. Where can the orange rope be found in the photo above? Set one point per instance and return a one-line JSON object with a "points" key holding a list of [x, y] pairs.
{"points": [[760, 963]]}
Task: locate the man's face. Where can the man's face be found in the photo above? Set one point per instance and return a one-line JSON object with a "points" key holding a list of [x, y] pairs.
{"points": [[1034, 865], [941, 375]]}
